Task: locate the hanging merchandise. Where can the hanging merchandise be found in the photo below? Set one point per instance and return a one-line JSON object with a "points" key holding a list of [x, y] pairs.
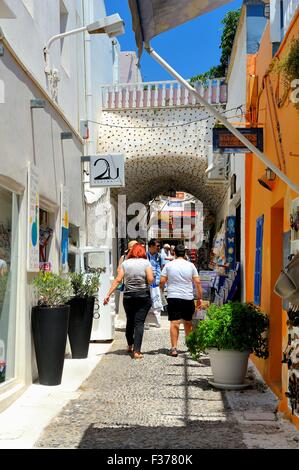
{"points": [[45, 234], [293, 317], [293, 393], [2, 361], [287, 284], [218, 258], [230, 241]]}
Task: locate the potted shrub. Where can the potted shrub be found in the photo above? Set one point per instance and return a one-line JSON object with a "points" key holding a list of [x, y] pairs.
{"points": [[85, 288], [50, 325], [230, 334]]}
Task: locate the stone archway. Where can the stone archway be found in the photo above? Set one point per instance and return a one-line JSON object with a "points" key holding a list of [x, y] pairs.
{"points": [[147, 178], [164, 147]]}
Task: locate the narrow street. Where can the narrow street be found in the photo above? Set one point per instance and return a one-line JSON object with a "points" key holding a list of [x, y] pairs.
{"points": [[148, 164], [163, 402]]}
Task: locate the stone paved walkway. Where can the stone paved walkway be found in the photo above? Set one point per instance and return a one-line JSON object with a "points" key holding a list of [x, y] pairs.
{"points": [[165, 403]]}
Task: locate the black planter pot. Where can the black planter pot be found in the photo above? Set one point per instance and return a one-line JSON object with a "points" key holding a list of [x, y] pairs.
{"points": [[80, 325], [50, 327]]}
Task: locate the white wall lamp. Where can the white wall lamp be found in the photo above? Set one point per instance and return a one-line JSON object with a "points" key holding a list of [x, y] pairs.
{"points": [[111, 25]]}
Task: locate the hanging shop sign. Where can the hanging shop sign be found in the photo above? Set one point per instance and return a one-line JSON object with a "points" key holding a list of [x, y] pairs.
{"points": [[230, 242], [174, 206], [33, 221], [65, 227], [107, 171], [225, 142]]}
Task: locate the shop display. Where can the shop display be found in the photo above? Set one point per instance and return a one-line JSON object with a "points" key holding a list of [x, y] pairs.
{"points": [[218, 258], [45, 234], [2, 362], [290, 274], [222, 282], [230, 241], [8, 279]]}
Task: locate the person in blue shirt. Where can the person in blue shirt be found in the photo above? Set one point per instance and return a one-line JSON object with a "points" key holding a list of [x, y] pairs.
{"points": [[154, 257]]}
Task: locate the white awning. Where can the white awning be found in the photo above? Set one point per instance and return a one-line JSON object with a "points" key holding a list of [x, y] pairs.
{"points": [[152, 17]]}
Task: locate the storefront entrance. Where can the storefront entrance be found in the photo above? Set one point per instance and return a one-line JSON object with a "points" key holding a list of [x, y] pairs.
{"points": [[8, 282]]}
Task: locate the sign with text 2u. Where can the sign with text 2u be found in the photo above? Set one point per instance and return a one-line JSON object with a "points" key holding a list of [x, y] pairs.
{"points": [[225, 142], [107, 170]]}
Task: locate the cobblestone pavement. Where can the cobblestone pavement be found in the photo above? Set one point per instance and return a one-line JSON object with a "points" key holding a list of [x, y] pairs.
{"points": [[163, 402]]}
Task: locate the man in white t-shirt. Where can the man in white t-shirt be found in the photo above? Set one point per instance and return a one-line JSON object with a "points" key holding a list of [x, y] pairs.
{"points": [[180, 276]]}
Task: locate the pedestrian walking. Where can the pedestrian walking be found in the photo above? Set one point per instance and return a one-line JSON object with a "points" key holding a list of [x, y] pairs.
{"points": [[154, 257], [166, 257], [180, 275], [119, 301], [137, 273], [124, 256]]}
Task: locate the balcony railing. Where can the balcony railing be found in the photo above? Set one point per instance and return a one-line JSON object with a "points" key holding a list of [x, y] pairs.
{"points": [[161, 94]]}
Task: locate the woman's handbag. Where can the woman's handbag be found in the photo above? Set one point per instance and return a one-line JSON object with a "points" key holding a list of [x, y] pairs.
{"points": [[287, 284]]}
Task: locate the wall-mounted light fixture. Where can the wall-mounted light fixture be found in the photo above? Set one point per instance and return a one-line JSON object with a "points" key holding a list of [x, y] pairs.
{"points": [[271, 176], [111, 25], [267, 180]]}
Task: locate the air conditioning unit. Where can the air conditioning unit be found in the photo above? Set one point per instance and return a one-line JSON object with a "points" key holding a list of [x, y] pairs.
{"points": [[217, 170]]}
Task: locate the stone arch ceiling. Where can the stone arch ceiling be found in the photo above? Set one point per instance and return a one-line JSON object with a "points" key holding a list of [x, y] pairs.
{"points": [[161, 153]]}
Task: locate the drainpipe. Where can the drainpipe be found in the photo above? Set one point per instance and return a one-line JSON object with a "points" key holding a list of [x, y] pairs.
{"points": [[115, 62], [88, 18]]}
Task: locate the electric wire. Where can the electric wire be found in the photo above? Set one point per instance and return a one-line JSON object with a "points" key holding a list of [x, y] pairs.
{"points": [[241, 114]]}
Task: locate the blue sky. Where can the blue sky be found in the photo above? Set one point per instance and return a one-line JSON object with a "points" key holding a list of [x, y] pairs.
{"points": [[191, 48]]}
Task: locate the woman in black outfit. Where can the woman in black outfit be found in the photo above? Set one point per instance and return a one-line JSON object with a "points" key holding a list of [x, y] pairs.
{"points": [[137, 273]]}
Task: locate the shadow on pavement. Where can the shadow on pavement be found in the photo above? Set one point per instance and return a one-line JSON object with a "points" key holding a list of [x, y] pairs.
{"points": [[193, 434]]}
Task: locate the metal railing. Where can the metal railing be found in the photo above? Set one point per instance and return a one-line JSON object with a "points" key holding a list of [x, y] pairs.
{"points": [[161, 94]]}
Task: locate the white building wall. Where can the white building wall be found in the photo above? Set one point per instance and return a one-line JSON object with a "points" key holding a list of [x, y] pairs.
{"points": [[34, 135], [281, 16], [36, 22], [237, 98], [128, 68]]}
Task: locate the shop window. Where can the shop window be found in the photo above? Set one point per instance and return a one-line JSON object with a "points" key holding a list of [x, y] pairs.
{"points": [[45, 237], [8, 282], [258, 260], [73, 250]]}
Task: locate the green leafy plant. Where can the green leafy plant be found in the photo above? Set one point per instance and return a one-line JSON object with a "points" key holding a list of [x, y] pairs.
{"points": [[86, 285], [230, 23], [78, 284], [288, 66], [52, 290], [237, 326]]}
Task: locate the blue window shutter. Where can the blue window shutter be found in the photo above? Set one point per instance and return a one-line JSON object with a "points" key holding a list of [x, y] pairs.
{"points": [[258, 260]]}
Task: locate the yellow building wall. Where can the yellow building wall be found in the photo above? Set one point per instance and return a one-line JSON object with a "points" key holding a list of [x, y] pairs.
{"points": [[274, 205]]}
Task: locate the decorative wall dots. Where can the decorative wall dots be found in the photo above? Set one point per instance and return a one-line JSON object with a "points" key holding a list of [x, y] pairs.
{"points": [[159, 155]]}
